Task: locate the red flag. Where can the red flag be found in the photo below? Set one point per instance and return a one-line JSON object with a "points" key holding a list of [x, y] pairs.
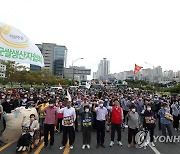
{"points": [[137, 69]]}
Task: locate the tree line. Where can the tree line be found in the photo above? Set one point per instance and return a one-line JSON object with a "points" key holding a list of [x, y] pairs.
{"points": [[18, 74]]}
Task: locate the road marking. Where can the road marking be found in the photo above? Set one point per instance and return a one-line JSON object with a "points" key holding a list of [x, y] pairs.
{"points": [[41, 146], [26, 152], [66, 150], [5, 146], [154, 149]]}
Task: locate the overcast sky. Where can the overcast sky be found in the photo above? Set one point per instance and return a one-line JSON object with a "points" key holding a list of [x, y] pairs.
{"points": [[124, 31]]}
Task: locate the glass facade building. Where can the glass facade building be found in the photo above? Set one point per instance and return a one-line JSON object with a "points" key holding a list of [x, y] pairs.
{"points": [[59, 60], [55, 57]]}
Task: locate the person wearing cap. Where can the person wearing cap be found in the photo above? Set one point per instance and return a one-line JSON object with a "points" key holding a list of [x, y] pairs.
{"points": [[69, 117], [116, 121], [166, 119], [101, 116], [86, 122], [50, 122]]}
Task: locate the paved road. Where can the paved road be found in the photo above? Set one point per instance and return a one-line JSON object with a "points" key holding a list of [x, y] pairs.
{"points": [[162, 148]]}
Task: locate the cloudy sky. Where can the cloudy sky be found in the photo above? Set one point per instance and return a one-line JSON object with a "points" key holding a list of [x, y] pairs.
{"points": [[124, 31]]}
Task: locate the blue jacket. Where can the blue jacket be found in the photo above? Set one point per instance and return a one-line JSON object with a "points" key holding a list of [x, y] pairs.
{"points": [[163, 120]]}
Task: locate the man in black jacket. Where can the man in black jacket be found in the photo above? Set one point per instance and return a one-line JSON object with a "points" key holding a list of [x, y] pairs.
{"points": [[86, 121], [149, 122]]}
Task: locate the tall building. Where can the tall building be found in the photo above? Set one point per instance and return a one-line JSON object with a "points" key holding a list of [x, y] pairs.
{"points": [[55, 57], [103, 69]]}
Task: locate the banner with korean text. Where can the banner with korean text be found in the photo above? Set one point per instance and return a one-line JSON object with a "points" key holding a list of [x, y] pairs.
{"points": [[15, 46]]}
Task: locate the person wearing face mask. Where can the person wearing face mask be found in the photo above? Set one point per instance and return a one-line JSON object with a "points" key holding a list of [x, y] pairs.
{"points": [[24, 100], [149, 123], [59, 126], [49, 123], [165, 119], [101, 117], [116, 121], [29, 127], [86, 122], [133, 125], [69, 117], [42, 115], [30, 101], [175, 112]]}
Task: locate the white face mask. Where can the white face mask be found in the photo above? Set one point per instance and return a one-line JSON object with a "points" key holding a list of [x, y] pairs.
{"points": [[86, 110], [100, 105], [8, 100], [32, 119], [167, 109], [51, 105], [149, 109], [133, 110]]}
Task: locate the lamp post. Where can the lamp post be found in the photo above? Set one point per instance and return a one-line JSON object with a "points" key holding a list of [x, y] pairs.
{"points": [[73, 66], [152, 72]]}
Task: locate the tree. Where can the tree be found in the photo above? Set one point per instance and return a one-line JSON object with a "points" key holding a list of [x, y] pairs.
{"points": [[12, 70]]}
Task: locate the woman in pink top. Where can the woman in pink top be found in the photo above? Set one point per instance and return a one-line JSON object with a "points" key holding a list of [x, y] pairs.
{"points": [[60, 118]]}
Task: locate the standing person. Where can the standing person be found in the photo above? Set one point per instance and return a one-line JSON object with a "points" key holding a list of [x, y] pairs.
{"points": [[125, 111], [69, 117], [59, 126], [149, 123], [49, 123], [175, 113], [101, 117], [133, 125], [42, 115], [166, 119], [116, 121], [86, 122]]}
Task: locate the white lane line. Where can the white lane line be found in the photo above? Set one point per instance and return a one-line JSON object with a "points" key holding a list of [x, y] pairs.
{"points": [[154, 149]]}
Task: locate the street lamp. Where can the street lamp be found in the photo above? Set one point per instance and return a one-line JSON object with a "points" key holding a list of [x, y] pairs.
{"points": [[152, 71], [73, 65]]}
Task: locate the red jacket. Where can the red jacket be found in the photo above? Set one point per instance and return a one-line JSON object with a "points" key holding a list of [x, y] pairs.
{"points": [[60, 115], [116, 115]]}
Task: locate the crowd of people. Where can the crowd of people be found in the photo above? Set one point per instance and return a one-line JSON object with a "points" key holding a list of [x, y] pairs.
{"points": [[111, 110]]}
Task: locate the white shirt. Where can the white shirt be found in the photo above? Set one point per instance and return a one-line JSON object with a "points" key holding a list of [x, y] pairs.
{"points": [[34, 126], [101, 113], [69, 116]]}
